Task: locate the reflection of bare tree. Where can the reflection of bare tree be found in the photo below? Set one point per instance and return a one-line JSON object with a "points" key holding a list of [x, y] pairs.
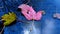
{"points": [[1, 7]]}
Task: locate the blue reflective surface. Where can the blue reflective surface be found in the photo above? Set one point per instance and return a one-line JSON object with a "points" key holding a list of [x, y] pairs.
{"points": [[47, 25]]}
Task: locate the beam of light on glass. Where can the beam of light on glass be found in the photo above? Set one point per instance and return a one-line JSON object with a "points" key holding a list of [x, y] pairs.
{"points": [[31, 29]]}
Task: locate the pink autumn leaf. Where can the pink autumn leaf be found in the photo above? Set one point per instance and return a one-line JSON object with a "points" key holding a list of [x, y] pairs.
{"points": [[29, 12]]}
